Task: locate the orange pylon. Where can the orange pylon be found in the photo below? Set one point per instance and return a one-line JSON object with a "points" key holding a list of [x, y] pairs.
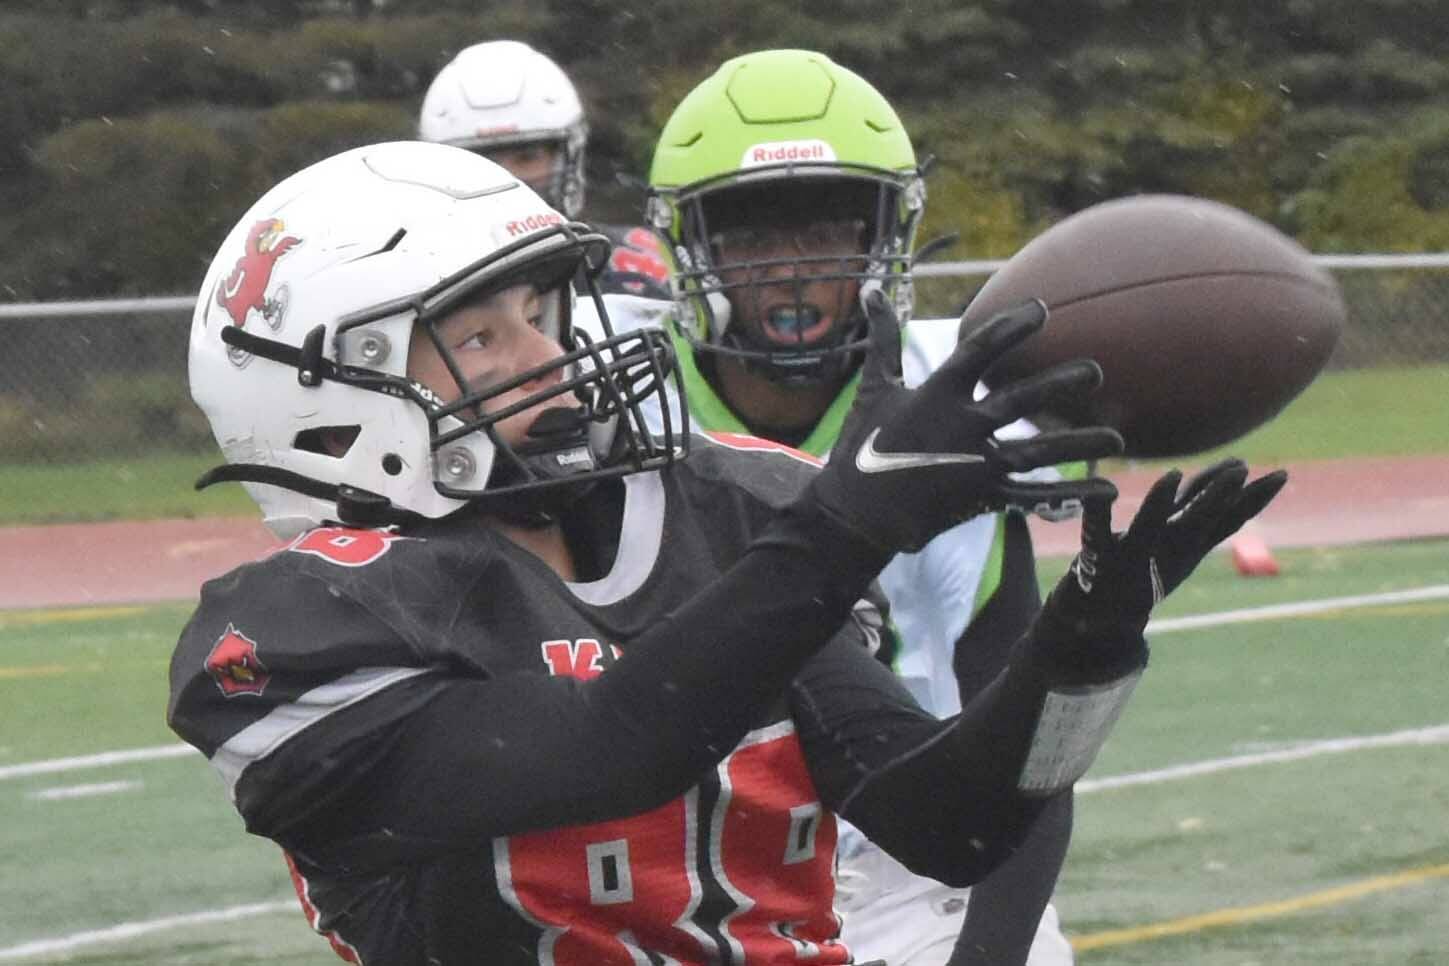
{"points": [[1251, 554]]}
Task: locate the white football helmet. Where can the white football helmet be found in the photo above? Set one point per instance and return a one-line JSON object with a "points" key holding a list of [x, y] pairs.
{"points": [[504, 94], [302, 327]]}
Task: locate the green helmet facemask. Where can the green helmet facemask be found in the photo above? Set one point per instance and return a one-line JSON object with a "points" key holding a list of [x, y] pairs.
{"points": [[784, 182]]}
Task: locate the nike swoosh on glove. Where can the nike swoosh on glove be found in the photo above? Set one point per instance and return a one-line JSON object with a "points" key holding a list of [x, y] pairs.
{"points": [[910, 464]]}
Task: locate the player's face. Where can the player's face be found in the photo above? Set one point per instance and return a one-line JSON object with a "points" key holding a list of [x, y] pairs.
{"points": [[491, 340], [785, 293], [534, 164]]}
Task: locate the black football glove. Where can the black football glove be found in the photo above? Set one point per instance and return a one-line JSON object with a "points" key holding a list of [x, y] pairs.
{"points": [[1095, 617], [910, 464]]}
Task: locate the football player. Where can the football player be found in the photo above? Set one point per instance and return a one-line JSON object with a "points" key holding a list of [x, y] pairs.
{"points": [[528, 685], [515, 106], [784, 183]]}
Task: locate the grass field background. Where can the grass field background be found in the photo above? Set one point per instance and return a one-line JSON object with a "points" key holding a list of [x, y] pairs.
{"points": [[1370, 412], [146, 863]]}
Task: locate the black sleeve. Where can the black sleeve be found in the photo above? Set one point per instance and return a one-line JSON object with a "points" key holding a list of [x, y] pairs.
{"points": [[942, 797], [482, 758], [1006, 906], [935, 794]]}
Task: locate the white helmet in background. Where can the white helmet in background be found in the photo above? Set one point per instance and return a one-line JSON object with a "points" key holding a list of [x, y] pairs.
{"points": [[505, 94], [301, 333]]}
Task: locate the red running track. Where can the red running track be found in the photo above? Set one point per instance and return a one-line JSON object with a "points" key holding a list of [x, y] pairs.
{"points": [[1326, 502]]}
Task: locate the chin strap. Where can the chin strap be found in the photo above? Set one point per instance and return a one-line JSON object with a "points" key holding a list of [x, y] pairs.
{"points": [[556, 450], [355, 507]]}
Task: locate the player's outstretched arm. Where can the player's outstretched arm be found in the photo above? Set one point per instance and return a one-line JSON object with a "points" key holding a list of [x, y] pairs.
{"points": [[1087, 643], [1037, 728]]}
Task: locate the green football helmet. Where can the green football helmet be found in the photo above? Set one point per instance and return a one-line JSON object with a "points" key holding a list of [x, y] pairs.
{"points": [[783, 183]]}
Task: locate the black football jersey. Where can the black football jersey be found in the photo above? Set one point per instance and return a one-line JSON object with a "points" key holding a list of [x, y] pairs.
{"points": [[337, 684]]}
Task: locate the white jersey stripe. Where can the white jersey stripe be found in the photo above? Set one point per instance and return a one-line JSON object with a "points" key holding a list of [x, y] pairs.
{"points": [[264, 736]]}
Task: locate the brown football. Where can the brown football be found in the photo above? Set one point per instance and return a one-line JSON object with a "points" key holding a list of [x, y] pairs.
{"points": [[1205, 320]]}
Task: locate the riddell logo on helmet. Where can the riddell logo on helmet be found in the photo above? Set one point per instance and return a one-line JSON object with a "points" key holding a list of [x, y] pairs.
{"points": [[783, 152], [532, 223]]}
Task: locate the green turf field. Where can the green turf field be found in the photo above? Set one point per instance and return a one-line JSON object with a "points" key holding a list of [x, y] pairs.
{"points": [[1329, 859], [142, 488], [1362, 412]]}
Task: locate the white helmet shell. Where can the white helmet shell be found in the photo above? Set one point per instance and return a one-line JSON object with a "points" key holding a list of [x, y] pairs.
{"points": [[376, 226], [504, 93]]}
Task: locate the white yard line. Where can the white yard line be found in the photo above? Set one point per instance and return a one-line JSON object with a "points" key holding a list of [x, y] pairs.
{"points": [[61, 792], [1436, 735], [102, 760], [131, 930], [1299, 609]]}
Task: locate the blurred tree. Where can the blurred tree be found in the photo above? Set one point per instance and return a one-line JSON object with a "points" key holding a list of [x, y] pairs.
{"points": [[1380, 195], [180, 176], [18, 125], [163, 117]]}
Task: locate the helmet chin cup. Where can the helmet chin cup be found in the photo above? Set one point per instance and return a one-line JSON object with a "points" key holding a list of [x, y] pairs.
{"points": [[558, 445]]}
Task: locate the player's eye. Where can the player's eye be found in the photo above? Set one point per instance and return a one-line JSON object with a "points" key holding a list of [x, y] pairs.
{"points": [[481, 339]]}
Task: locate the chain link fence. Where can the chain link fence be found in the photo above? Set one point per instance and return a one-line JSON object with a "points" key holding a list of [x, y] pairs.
{"points": [[87, 383]]}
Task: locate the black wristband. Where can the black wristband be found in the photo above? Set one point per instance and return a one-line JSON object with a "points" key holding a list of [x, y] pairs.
{"points": [[1071, 651]]}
